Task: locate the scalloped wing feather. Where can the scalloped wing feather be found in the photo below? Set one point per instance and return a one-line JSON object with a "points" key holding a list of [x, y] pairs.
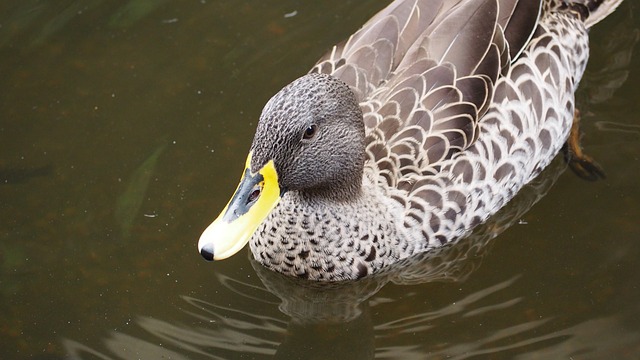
{"points": [[531, 111], [401, 24], [591, 11], [423, 92], [462, 37], [518, 24]]}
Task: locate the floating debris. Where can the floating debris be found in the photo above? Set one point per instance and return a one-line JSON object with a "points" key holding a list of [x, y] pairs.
{"points": [[291, 14]]}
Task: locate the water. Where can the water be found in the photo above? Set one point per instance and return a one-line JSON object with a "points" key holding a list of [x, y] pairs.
{"points": [[123, 131]]}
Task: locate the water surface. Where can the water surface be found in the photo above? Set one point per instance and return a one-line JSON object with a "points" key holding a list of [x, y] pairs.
{"points": [[124, 126]]}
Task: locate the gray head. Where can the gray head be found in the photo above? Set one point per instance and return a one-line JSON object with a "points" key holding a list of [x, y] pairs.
{"points": [[313, 131]]}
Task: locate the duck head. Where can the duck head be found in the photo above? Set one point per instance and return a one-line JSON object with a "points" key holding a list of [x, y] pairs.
{"points": [[310, 139]]}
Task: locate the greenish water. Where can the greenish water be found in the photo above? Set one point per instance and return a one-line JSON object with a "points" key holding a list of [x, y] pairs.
{"points": [[124, 126]]}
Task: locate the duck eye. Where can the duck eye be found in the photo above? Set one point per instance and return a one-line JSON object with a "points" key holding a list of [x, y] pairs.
{"points": [[309, 132]]}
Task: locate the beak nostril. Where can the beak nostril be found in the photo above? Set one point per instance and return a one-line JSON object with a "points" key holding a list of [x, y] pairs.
{"points": [[207, 252], [254, 195]]}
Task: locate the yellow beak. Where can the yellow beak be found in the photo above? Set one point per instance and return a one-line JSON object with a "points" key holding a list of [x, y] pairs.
{"points": [[256, 195]]}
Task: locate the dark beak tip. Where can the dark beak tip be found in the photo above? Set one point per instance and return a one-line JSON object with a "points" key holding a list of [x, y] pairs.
{"points": [[207, 252]]}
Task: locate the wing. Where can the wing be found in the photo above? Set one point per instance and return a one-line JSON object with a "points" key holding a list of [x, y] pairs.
{"points": [[525, 126], [367, 59], [424, 72]]}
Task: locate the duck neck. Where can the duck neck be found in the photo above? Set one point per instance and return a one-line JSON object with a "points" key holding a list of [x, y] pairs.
{"points": [[347, 192]]}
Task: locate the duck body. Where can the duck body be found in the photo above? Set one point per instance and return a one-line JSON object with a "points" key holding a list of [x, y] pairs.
{"points": [[402, 139]]}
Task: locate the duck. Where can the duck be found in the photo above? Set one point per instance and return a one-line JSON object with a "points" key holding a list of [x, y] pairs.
{"points": [[406, 136]]}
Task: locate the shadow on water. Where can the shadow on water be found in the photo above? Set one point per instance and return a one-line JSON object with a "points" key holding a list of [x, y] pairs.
{"points": [[123, 127]]}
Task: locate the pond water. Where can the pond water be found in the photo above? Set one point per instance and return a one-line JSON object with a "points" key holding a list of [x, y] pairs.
{"points": [[124, 126]]}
